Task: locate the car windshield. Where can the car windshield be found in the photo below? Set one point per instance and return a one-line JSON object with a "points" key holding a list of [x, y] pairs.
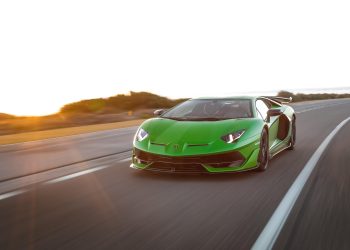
{"points": [[210, 110]]}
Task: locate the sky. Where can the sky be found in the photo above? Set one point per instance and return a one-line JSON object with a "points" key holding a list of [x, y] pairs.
{"points": [[57, 52]]}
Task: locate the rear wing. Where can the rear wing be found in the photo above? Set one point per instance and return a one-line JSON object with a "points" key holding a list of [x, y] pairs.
{"points": [[280, 100]]}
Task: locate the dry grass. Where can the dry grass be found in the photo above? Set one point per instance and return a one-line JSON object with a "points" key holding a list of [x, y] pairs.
{"points": [[46, 134]]}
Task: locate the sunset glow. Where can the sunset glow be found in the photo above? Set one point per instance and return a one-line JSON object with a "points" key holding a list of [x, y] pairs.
{"points": [[53, 53]]}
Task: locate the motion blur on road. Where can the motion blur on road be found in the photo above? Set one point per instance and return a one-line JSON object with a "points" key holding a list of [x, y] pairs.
{"points": [[78, 192]]}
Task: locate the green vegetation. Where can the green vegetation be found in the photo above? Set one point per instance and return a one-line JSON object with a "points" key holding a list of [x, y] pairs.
{"points": [[119, 103], [299, 97]]}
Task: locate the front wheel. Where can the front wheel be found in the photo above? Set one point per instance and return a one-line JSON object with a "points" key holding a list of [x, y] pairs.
{"points": [[263, 158]]}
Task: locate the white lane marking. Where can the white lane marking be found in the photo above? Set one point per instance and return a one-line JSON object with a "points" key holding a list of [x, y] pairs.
{"points": [[124, 160], [63, 178], [70, 176], [269, 235], [88, 171], [320, 107], [310, 109], [13, 193]]}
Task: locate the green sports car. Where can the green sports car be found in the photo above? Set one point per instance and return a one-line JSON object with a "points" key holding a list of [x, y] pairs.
{"points": [[215, 135]]}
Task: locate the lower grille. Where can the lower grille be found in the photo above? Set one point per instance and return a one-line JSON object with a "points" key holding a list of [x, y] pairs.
{"points": [[187, 164], [204, 159], [176, 168]]}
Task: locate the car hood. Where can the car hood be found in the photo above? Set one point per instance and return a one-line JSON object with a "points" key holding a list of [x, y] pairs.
{"points": [[173, 137]]}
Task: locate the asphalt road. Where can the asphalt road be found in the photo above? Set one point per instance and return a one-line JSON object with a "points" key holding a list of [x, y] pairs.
{"points": [[115, 207]]}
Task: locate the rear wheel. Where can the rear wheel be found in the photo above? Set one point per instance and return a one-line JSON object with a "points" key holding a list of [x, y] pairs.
{"points": [[263, 158], [292, 136]]}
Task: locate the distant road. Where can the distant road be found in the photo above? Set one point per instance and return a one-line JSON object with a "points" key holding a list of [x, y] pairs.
{"points": [[78, 192]]}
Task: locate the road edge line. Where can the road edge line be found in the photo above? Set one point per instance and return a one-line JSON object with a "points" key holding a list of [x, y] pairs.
{"points": [[12, 193]]}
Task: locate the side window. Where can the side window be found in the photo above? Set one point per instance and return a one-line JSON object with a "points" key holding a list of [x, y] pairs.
{"points": [[262, 108]]}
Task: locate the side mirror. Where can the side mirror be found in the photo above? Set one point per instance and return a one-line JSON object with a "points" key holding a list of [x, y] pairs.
{"points": [[273, 112], [159, 112]]}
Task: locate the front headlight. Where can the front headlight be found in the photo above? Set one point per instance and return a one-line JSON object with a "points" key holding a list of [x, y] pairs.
{"points": [[141, 134], [232, 137]]}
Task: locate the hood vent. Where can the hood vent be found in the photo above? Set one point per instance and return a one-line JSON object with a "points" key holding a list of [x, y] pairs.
{"points": [[159, 144], [198, 145]]}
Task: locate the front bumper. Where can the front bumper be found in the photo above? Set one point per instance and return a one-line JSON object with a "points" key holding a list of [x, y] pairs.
{"points": [[232, 161]]}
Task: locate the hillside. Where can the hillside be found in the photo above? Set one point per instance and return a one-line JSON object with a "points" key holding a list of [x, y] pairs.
{"points": [[4, 116], [120, 103]]}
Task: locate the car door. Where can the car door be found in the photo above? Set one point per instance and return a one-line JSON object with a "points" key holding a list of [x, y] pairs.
{"points": [[262, 109]]}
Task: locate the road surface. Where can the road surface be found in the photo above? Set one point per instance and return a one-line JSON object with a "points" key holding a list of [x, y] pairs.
{"points": [[78, 192]]}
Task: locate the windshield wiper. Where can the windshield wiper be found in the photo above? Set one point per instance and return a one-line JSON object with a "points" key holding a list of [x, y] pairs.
{"points": [[199, 118], [175, 118], [195, 118], [207, 119]]}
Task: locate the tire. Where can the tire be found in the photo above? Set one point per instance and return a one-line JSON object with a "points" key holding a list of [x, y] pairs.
{"points": [[263, 157], [293, 136]]}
